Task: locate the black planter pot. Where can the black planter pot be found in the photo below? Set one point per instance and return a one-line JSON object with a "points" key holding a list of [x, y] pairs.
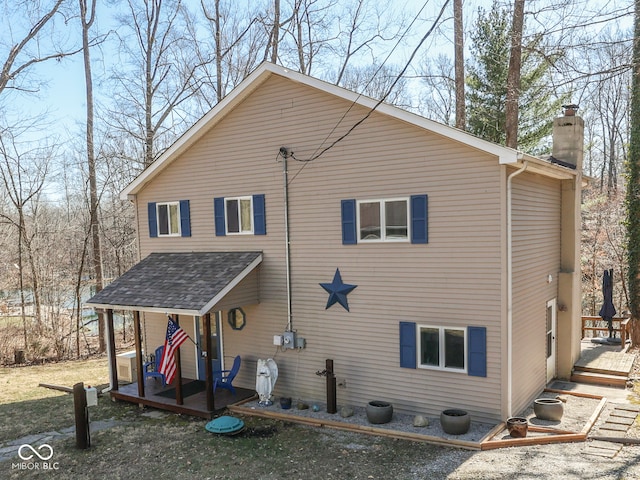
{"points": [[379, 412], [455, 421], [285, 403]]}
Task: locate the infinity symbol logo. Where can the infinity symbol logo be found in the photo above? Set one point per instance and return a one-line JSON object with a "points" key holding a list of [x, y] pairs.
{"points": [[46, 456]]}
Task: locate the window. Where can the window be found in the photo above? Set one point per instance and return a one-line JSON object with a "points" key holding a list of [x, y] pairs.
{"points": [[442, 347], [390, 220], [169, 219], [383, 220], [240, 215]]}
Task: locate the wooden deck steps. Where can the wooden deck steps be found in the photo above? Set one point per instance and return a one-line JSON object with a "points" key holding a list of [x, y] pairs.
{"points": [[603, 366]]}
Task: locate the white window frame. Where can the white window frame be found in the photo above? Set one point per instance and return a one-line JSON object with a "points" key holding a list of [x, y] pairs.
{"points": [[441, 349], [168, 205], [383, 227], [226, 215]]}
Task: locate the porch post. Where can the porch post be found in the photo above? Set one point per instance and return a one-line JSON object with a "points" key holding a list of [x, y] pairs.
{"points": [[138, 343], [111, 352], [179, 399], [208, 370]]}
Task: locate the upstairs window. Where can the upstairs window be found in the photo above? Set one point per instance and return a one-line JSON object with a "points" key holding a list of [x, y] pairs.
{"points": [[383, 220], [239, 215], [169, 219]]}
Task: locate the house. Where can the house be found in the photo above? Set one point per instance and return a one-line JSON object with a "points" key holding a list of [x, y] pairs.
{"points": [[435, 269]]}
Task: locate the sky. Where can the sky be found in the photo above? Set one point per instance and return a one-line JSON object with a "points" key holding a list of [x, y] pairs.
{"points": [[63, 98], [63, 95]]}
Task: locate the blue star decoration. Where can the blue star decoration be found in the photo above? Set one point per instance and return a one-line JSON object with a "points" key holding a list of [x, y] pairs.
{"points": [[338, 291]]}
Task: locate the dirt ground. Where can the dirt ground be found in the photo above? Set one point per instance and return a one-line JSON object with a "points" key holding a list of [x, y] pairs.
{"points": [[127, 442]]}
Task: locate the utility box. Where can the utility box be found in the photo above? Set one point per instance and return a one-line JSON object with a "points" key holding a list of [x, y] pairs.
{"points": [[289, 339], [92, 396]]}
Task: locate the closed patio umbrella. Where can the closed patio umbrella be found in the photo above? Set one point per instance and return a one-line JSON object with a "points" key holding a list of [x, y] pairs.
{"points": [[608, 310]]}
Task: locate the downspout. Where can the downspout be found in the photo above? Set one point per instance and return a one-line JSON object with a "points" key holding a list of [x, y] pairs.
{"points": [[284, 152], [510, 287]]}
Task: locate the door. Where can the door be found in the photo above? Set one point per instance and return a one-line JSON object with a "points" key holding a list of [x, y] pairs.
{"points": [[551, 340], [216, 345]]}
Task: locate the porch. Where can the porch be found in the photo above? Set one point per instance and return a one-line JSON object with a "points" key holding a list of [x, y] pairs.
{"points": [[193, 393], [601, 363]]}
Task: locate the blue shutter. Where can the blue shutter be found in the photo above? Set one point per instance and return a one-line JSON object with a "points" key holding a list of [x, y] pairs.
{"points": [[218, 214], [259, 217], [185, 218], [408, 344], [419, 219], [349, 222], [477, 351], [153, 220]]}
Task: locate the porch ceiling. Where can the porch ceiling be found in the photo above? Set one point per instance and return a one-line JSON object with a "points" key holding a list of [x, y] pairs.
{"points": [[183, 283]]}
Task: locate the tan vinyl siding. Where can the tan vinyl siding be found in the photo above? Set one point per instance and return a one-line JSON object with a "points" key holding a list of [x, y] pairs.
{"points": [[536, 255], [454, 280]]}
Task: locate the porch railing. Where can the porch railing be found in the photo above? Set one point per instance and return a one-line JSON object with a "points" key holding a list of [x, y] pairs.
{"points": [[594, 326]]}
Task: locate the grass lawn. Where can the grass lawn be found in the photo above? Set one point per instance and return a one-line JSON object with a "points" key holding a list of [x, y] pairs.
{"points": [[175, 446]]}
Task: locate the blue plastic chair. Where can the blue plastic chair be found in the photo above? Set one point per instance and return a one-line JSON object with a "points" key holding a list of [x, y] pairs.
{"points": [[224, 378], [155, 364]]}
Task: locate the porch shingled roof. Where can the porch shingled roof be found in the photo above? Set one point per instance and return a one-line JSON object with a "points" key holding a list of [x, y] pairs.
{"points": [[190, 283]]}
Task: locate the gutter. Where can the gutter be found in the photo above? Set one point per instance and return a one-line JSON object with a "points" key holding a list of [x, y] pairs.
{"points": [[510, 287]]}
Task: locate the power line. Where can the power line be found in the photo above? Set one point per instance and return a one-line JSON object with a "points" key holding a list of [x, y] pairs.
{"points": [[315, 156]]}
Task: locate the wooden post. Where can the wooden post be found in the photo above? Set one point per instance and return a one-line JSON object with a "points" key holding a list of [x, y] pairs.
{"points": [[179, 399], [138, 342], [83, 440], [331, 388], [111, 350], [208, 369]]}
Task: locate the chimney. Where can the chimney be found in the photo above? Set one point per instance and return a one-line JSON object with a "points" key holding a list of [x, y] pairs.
{"points": [[568, 138]]}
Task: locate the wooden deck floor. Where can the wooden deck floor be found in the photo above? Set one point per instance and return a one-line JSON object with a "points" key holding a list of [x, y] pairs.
{"points": [[195, 405], [606, 359]]}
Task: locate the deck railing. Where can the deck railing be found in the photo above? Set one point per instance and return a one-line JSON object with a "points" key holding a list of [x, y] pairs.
{"points": [[597, 327]]}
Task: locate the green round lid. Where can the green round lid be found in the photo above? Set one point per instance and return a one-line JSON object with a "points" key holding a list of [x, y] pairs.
{"points": [[225, 424]]}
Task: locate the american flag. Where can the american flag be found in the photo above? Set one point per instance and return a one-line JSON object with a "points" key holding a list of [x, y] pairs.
{"points": [[176, 336]]}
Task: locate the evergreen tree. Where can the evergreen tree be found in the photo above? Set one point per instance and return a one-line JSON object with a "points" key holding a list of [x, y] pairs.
{"points": [[487, 83], [633, 187]]}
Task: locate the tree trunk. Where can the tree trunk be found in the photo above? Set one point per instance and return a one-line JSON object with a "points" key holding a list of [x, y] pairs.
{"points": [[91, 160], [459, 64], [633, 187], [513, 77]]}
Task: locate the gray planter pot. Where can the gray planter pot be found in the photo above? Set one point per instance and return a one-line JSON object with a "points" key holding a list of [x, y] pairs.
{"points": [[455, 421], [548, 409], [379, 412]]}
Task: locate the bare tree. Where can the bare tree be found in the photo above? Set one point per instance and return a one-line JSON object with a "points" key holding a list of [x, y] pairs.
{"points": [[149, 103], [513, 76], [87, 17], [458, 35]]}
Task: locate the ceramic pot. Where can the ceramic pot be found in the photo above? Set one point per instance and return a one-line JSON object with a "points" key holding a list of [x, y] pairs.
{"points": [[517, 427], [548, 409], [455, 421], [379, 412], [285, 403]]}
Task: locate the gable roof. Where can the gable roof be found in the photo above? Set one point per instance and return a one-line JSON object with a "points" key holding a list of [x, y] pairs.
{"points": [[183, 283], [265, 71]]}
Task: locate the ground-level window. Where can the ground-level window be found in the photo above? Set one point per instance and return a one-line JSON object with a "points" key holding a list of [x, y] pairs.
{"points": [[442, 347]]}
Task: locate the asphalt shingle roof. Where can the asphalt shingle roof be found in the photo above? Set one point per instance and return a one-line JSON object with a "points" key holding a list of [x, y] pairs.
{"points": [[185, 282]]}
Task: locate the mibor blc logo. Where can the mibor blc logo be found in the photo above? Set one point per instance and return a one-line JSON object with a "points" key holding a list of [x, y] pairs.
{"points": [[35, 458]]}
